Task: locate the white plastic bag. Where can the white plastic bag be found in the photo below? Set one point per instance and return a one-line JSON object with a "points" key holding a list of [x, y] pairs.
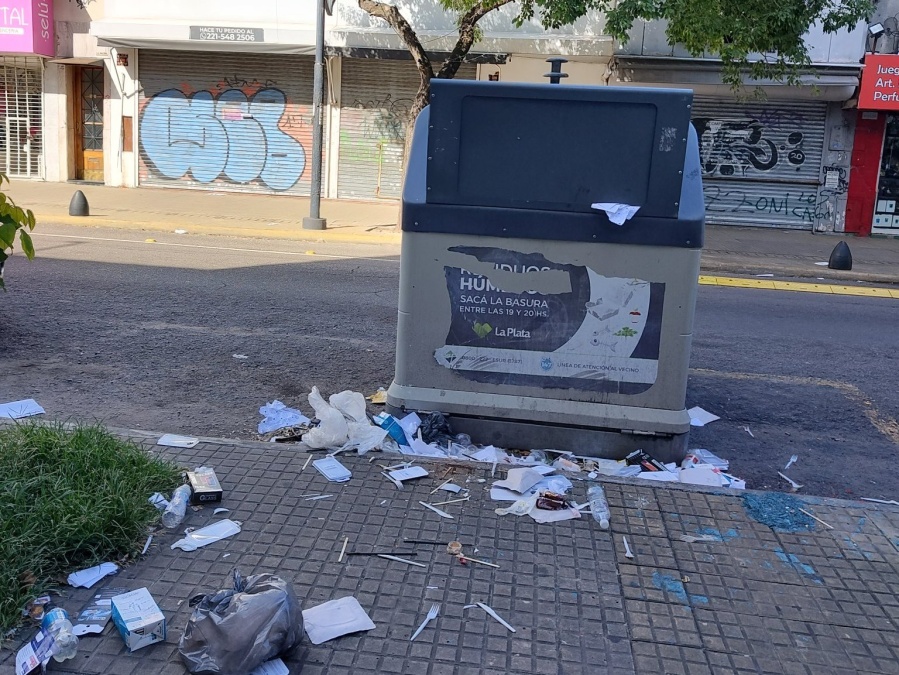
{"points": [[363, 435], [332, 432]]}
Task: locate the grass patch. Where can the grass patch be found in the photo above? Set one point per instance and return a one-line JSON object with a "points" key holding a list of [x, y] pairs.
{"points": [[69, 498]]}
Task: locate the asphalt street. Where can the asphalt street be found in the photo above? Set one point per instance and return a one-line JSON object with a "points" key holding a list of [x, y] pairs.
{"points": [[143, 334]]}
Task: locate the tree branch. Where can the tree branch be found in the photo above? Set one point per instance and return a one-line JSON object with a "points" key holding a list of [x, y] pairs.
{"points": [[467, 34], [404, 29]]}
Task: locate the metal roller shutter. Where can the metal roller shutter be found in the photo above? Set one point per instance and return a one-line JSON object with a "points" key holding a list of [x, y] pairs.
{"points": [[21, 120], [230, 122], [376, 95], [761, 161]]}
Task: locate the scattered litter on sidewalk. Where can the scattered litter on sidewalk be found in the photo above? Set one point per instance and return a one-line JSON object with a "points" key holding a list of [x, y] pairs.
{"points": [[646, 461], [220, 510], [811, 515], [387, 556], [205, 487], [793, 460], [19, 409], [452, 501], [333, 470], [432, 614], [176, 441], [239, 629], [138, 618], [700, 417], [451, 487], [208, 535], [92, 619], [317, 498], [454, 548], [442, 514], [519, 480], [334, 619], [779, 511], [180, 231], [278, 416], [496, 616], [627, 549], [700, 456], [748, 431], [147, 545], [159, 501], [35, 653], [880, 501], [409, 473], [701, 474], [793, 484], [764, 275], [379, 397], [346, 541], [88, 577], [240, 357], [34, 609]]}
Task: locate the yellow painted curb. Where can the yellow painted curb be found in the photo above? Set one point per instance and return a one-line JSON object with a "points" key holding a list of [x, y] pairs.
{"points": [[798, 286], [336, 235]]}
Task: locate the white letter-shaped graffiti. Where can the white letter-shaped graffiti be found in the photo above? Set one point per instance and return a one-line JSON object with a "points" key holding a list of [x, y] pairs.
{"points": [[233, 135]]}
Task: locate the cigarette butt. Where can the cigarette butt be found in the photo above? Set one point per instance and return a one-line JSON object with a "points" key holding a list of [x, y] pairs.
{"points": [[811, 515], [343, 550]]}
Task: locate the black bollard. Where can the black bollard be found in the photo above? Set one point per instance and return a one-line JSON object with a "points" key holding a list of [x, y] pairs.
{"points": [[78, 206], [840, 257]]}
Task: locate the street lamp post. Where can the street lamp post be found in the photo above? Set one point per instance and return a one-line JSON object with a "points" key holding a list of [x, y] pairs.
{"points": [[315, 221]]}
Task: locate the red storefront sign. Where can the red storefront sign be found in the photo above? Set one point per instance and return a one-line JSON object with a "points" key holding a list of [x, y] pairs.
{"points": [[880, 83]]}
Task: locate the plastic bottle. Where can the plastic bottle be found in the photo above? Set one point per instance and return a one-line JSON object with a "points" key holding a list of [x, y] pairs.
{"points": [[599, 507], [174, 514], [56, 623]]}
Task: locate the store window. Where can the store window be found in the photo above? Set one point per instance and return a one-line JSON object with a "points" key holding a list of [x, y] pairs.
{"points": [[21, 146], [886, 215]]}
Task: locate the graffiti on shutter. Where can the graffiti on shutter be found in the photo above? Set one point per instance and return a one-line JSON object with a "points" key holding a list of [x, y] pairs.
{"points": [[226, 131], [761, 162]]}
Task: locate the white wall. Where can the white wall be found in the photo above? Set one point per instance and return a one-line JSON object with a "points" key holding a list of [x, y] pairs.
{"points": [[846, 47], [120, 167], [525, 68]]}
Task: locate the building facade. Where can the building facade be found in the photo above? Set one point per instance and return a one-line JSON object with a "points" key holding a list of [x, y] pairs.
{"points": [[217, 95]]}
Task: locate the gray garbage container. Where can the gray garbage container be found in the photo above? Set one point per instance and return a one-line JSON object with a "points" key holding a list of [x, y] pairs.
{"points": [[525, 314]]}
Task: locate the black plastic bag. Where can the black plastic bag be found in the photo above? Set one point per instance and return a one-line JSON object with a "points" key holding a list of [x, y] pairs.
{"points": [[436, 429], [234, 630]]}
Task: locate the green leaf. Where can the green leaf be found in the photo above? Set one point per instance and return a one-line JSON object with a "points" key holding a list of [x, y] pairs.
{"points": [[7, 233], [27, 244]]}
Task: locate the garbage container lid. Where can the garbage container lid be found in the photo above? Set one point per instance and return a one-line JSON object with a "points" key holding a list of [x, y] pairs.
{"points": [[556, 148]]}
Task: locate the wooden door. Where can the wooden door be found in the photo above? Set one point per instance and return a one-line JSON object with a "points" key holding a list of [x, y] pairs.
{"points": [[88, 113]]}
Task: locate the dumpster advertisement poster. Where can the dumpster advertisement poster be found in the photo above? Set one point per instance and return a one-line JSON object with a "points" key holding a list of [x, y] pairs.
{"points": [[522, 319]]}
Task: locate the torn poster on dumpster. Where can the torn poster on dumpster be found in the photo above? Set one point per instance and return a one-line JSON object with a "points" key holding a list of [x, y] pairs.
{"points": [[526, 320]]}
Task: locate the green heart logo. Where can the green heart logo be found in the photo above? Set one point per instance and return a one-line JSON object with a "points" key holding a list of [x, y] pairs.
{"points": [[482, 330]]}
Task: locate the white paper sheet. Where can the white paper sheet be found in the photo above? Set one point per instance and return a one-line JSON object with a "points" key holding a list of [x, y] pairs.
{"points": [[617, 213], [88, 577], [520, 480], [542, 516], [409, 473], [701, 474], [422, 449], [19, 409], [700, 417], [176, 441], [335, 618], [409, 424], [660, 476]]}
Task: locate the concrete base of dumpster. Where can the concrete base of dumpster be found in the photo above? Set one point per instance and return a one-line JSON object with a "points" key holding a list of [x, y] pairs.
{"points": [[508, 427]]}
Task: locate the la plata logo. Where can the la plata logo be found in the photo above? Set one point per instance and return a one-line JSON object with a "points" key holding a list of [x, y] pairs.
{"points": [[482, 330]]}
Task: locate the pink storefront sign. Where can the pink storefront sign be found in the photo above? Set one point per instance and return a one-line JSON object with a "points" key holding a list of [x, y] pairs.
{"points": [[26, 27]]}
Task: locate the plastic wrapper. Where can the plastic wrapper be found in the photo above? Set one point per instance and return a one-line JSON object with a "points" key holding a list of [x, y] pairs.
{"points": [[233, 631], [332, 431]]}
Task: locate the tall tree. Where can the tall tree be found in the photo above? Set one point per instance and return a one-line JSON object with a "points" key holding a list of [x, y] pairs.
{"points": [[736, 30], [468, 12]]}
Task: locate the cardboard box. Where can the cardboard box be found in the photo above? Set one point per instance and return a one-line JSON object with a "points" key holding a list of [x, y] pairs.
{"points": [[205, 487], [138, 618]]}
